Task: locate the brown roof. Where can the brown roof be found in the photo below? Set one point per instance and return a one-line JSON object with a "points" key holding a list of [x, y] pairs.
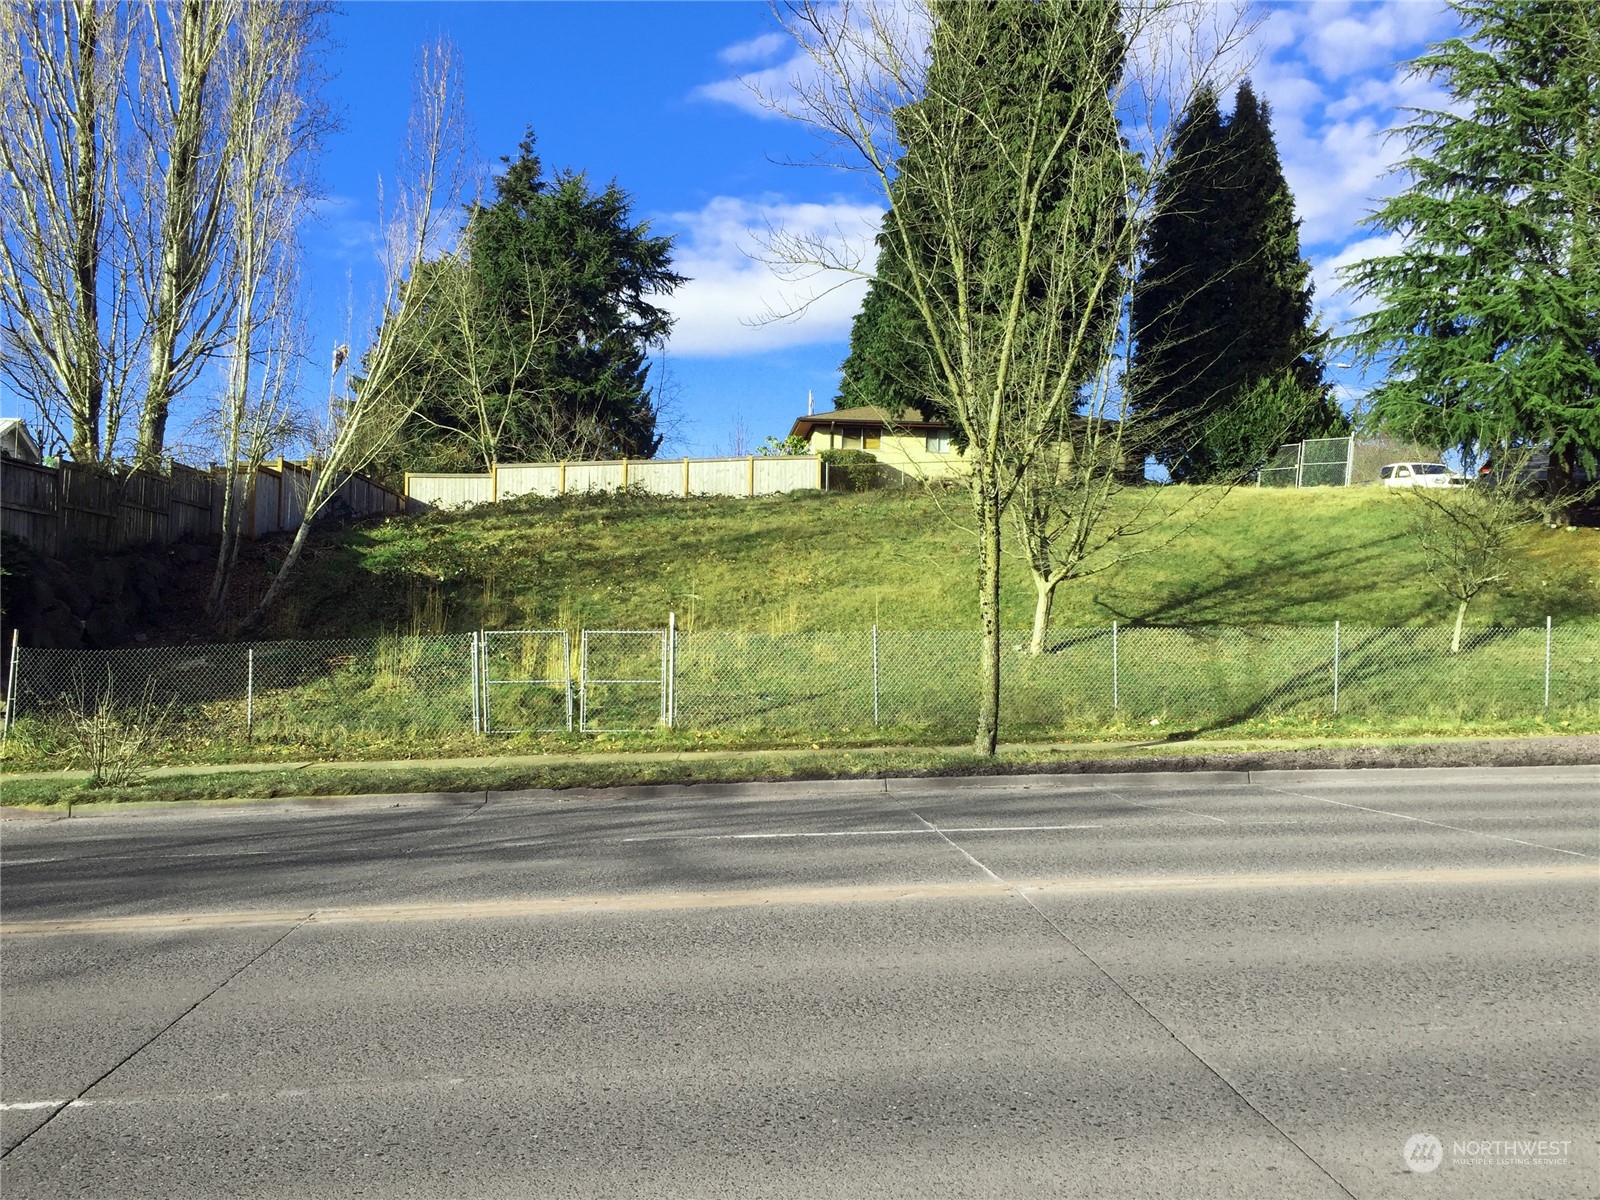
{"points": [[867, 414]]}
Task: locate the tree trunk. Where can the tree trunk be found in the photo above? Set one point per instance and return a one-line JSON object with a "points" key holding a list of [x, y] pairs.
{"points": [[280, 581], [1559, 487], [221, 576], [988, 734], [1044, 599], [86, 234], [187, 246], [1461, 616]]}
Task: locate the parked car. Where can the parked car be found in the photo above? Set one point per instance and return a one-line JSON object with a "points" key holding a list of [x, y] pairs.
{"points": [[1420, 474], [1529, 470]]}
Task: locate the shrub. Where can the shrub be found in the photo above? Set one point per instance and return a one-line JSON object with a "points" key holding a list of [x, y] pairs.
{"points": [[849, 470]]}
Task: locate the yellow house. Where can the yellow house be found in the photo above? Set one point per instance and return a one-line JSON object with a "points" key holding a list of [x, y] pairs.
{"points": [[912, 444]]}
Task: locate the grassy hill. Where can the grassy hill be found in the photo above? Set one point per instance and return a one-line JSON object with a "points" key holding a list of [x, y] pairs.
{"points": [[837, 562]]}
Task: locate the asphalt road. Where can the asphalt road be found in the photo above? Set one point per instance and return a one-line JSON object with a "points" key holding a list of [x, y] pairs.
{"points": [[1140, 986]]}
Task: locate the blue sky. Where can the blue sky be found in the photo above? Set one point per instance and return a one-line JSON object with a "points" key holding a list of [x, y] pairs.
{"points": [[649, 94]]}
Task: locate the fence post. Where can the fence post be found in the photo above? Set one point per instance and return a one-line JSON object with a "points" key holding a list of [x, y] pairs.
{"points": [[583, 682], [249, 692], [1546, 665], [874, 674], [670, 694], [472, 649], [1114, 696], [1336, 668], [1350, 460], [1300, 463], [11, 685]]}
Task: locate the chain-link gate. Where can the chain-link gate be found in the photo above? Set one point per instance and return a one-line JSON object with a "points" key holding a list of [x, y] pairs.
{"points": [[623, 680], [526, 677], [1312, 463]]}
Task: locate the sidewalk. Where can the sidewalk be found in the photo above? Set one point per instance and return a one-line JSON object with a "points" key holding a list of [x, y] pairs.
{"points": [[534, 760], [1192, 747]]}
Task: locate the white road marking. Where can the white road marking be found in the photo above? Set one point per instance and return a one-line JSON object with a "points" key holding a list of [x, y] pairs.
{"points": [[34, 862], [1383, 812], [1160, 807], [934, 828], [734, 837]]}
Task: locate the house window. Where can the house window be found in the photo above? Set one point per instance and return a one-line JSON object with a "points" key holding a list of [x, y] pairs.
{"points": [[850, 439], [938, 443], [871, 438]]}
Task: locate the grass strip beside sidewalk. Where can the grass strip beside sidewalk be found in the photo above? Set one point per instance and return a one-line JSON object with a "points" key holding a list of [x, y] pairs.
{"points": [[57, 794]]}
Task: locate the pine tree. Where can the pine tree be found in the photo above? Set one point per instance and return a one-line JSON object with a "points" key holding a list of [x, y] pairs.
{"points": [[1488, 317], [1179, 304], [889, 364], [1226, 343], [536, 343]]}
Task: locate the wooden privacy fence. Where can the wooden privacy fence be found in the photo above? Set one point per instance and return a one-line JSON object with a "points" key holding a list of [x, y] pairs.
{"points": [[75, 506], [751, 475]]}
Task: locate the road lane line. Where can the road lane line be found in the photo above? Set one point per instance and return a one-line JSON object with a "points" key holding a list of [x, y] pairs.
{"points": [[1157, 807], [1382, 812], [643, 902], [80, 1099], [735, 837], [1026, 893], [935, 829]]}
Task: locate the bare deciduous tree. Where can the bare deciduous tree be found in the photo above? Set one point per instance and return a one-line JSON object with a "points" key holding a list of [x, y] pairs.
{"points": [[123, 144], [276, 124], [475, 407], [1015, 206], [1466, 533], [176, 192], [431, 180], [65, 278]]}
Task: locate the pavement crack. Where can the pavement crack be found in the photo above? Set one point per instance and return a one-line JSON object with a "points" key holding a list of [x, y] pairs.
{"points": [[466, 816], [1022, 894], [157, 1035], [1383, 812], [1120, 798]]}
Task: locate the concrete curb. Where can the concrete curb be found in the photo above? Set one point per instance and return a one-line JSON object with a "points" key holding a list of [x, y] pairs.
{"points": [[1569, 758]]}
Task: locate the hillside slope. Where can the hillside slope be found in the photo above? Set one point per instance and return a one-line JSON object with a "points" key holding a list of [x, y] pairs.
{"points": [[833, 561]]}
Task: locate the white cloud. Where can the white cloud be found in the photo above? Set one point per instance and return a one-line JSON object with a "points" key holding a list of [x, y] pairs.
{"points": [[344, 222], [757, 49], [748, 92], [1338, 306], [730, 306], [1334, 73]]}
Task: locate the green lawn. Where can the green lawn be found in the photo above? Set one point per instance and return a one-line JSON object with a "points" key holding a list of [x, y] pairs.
{"points": [[902, 559], [1226, 625]]}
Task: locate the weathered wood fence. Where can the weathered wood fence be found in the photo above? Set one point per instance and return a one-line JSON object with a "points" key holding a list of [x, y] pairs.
{"points": [[75, 506]]}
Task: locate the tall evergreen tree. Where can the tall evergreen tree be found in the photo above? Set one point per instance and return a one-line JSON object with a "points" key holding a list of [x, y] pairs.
{"points": [[889, 363], [1226, 344], [537, 342], [1488, 317]]}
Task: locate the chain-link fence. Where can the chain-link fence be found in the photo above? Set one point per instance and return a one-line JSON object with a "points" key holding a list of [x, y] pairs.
{"points": [[1315, 462], [318, 694], [326, 695]]}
